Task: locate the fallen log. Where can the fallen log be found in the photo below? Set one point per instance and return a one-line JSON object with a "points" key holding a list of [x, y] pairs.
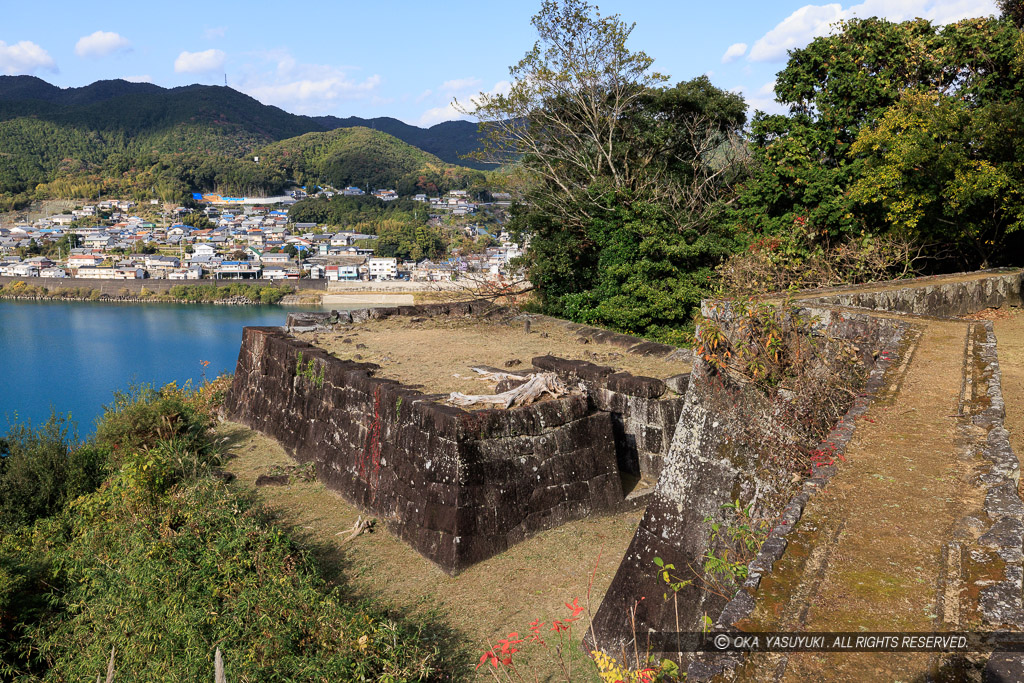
{"points": [[525, 394]]}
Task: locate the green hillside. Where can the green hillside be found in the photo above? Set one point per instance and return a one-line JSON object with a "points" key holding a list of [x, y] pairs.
{"points": [[137, 139], [450, 141], [352, 156]]}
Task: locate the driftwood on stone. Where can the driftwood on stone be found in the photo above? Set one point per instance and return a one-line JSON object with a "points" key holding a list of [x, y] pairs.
{"points": [[493, 375], [525, 394]]}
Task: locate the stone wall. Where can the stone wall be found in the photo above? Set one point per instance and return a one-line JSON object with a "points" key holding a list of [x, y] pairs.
{"points": [[940, 296], [644, 410], [711, 462], [459, 486]]}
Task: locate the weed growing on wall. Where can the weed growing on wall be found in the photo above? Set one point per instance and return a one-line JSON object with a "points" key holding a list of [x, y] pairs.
{"points": [[310, 371], [778, 384], [772, 355]]}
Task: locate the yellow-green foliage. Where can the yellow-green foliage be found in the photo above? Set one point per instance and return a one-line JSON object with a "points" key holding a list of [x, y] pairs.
{"points": [[165, 564]]}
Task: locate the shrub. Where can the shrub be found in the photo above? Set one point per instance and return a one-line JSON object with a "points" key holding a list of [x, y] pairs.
{"points": [[41, 470], [167, 579], [774, 264], [165, 564], [143, 416]]}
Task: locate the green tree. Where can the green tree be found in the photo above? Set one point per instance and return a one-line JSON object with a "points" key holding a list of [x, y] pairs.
{"points": [[1012, 10], [841, 86], [198, 220], [944, 172], [620, 175]]}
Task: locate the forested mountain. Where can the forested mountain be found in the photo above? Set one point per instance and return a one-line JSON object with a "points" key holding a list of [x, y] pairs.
{"points": [[16, 88], [143, 107], [449, 141], [116, 136], [364, 157]]}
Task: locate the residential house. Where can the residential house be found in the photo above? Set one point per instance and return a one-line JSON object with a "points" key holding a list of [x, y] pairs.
{"points": [[111, 273], [336, 273], [204, 250], [76, 261], [237, 270], [193, 272], [382, 268], [279, 259]]}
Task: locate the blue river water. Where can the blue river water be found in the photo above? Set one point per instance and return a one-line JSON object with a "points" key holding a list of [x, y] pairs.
{"points": [[70, 357]]}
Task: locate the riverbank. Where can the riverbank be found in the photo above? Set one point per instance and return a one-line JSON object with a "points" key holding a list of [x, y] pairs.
{"points": [[290, 293], [234, 294], [233, 301]]}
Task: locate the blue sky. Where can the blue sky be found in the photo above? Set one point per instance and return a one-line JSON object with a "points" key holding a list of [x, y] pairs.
{"points": [[404, 59]]}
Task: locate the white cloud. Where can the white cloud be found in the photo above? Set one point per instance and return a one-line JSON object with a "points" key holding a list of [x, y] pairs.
{"points": [[448, 111], [734, 52], [199, 62], [424, 95], [795, 31], [145, 78], [439, 115], [459, 85], [214, 33], [812, 21], [100, 44], [763, 100], [314, 89], [24, 57]]}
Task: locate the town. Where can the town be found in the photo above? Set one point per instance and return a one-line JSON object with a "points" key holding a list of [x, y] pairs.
{"points": [[250, 239]]}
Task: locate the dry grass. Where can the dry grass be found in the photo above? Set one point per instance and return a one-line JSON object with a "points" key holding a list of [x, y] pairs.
{"points": [[437, 353], [505, 593]]}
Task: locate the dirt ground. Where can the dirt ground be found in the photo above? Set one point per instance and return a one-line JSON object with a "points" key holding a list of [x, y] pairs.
{"points": [[437, 354], [532, 580], [873, 540]]}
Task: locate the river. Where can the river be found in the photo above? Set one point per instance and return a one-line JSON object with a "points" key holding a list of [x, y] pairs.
{"points": [[70, 357]]}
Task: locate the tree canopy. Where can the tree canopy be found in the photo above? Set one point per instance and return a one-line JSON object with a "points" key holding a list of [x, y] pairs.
{"points": [[621, 174], [909, 128]]}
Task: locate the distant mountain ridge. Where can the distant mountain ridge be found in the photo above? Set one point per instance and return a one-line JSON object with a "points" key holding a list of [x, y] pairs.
{"points": [[150, 106], [137, 139]]}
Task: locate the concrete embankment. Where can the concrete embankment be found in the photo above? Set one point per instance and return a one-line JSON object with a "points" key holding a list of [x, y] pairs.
{"points": [[368, 299]]}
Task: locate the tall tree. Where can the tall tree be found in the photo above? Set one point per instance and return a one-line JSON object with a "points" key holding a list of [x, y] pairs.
{"points": [[1013, 10], [619, 174], [865, 82]]}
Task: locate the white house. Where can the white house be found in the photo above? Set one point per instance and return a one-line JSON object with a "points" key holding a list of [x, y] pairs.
{"points": [[336, 273], [80, 260], [382, 268]]}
